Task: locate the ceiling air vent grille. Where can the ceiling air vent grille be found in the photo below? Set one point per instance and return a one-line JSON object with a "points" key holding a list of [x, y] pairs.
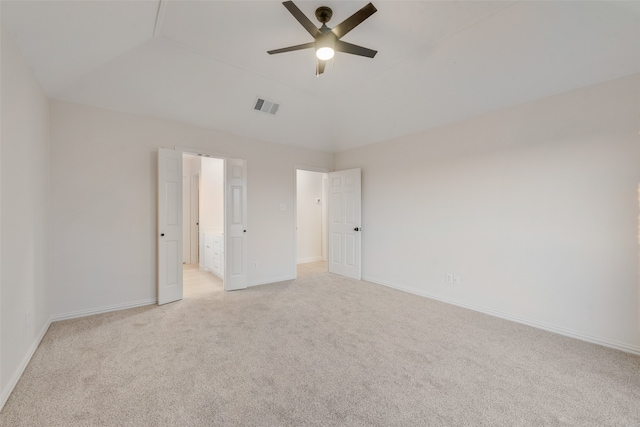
{"points": [[265, 106]]}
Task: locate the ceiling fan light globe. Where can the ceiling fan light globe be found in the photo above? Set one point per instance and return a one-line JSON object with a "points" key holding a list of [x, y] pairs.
{"points": [[325, 53]]}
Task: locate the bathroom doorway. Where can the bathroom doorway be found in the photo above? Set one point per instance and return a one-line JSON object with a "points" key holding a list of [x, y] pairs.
{"points": [[203, 225]]}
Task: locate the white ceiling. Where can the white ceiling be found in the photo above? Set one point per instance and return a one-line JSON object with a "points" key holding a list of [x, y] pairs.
{"points": [[205, 62]]}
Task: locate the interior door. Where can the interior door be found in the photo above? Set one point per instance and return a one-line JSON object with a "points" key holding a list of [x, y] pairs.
{"points": [[235, 272], [194, 218], [344, 223], [169, 226], [186, 214]]}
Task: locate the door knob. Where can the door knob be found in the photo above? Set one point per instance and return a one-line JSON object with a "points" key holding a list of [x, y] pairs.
{"points": [[356, 229], [162, 235]]}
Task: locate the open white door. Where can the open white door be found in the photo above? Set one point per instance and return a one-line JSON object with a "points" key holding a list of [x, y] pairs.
{"points": [[169, 226], [344, 223], [235, 273]]}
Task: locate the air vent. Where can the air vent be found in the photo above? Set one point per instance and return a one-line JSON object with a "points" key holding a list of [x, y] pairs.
{"points": [[265, 106]]}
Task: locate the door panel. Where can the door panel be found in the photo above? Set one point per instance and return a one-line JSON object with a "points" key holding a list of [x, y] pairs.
{"points": [[169, 226], [350, 251], [336, 248], [336, 207], [350, 208], [344, 226], [236, 251]]}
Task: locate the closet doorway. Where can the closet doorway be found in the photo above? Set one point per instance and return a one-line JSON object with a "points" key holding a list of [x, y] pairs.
{"points": [[311, 223]]}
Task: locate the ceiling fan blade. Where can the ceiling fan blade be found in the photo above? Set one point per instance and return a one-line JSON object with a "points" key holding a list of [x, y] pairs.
{"points": [[291, 48], [353, 21], [353, 49], [302, 19], [320, 64]]}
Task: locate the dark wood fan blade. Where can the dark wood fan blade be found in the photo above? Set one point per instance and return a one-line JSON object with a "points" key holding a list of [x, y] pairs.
{"points": [[320, 66], [291, 48], [353, 49], [302, 19], [353, 21]]}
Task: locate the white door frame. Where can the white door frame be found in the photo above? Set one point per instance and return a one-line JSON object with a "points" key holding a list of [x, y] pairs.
{"points": [[325, 232]]}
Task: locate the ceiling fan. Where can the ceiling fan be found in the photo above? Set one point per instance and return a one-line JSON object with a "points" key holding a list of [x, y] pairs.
{"points": [[327, 40]]}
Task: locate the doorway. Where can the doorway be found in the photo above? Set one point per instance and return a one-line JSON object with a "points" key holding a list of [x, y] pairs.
{"points": [[170, 252], [203, 225], [311, 223]]}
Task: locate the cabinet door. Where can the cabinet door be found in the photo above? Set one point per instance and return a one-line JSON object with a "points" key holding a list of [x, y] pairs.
{"points": [[208, 252]]}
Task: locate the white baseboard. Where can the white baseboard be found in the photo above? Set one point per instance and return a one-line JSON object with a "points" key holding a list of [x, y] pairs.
{"points": [[23, 365], [100, 310], [271, 280], [312, 259], [627, 348]]}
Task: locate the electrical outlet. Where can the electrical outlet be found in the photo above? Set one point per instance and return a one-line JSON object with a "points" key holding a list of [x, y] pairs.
{"points": [[449, 278], [255, 265], [456, 280]]}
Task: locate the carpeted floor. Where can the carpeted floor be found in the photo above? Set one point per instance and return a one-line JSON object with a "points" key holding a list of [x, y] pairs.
{"points": [[318, 351]]}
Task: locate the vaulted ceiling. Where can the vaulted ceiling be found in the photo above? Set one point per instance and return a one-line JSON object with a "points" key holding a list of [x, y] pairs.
{"points": [[205, 62]]}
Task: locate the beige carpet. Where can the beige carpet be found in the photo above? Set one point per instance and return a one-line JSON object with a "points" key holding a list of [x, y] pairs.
{"points": [[322, 351]]}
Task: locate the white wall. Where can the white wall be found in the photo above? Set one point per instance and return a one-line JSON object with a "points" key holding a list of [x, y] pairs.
{"points": [[104, 204], [212, 195], [534, 207], [24, 215], [309, 216]]}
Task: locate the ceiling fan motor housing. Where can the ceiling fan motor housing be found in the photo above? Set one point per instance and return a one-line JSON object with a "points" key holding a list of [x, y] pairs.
{"points": [[324, 14]]}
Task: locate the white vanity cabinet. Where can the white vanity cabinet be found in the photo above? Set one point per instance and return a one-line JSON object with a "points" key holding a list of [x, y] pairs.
{"points": [[208, 252], [214, 253], [218, 255]]}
